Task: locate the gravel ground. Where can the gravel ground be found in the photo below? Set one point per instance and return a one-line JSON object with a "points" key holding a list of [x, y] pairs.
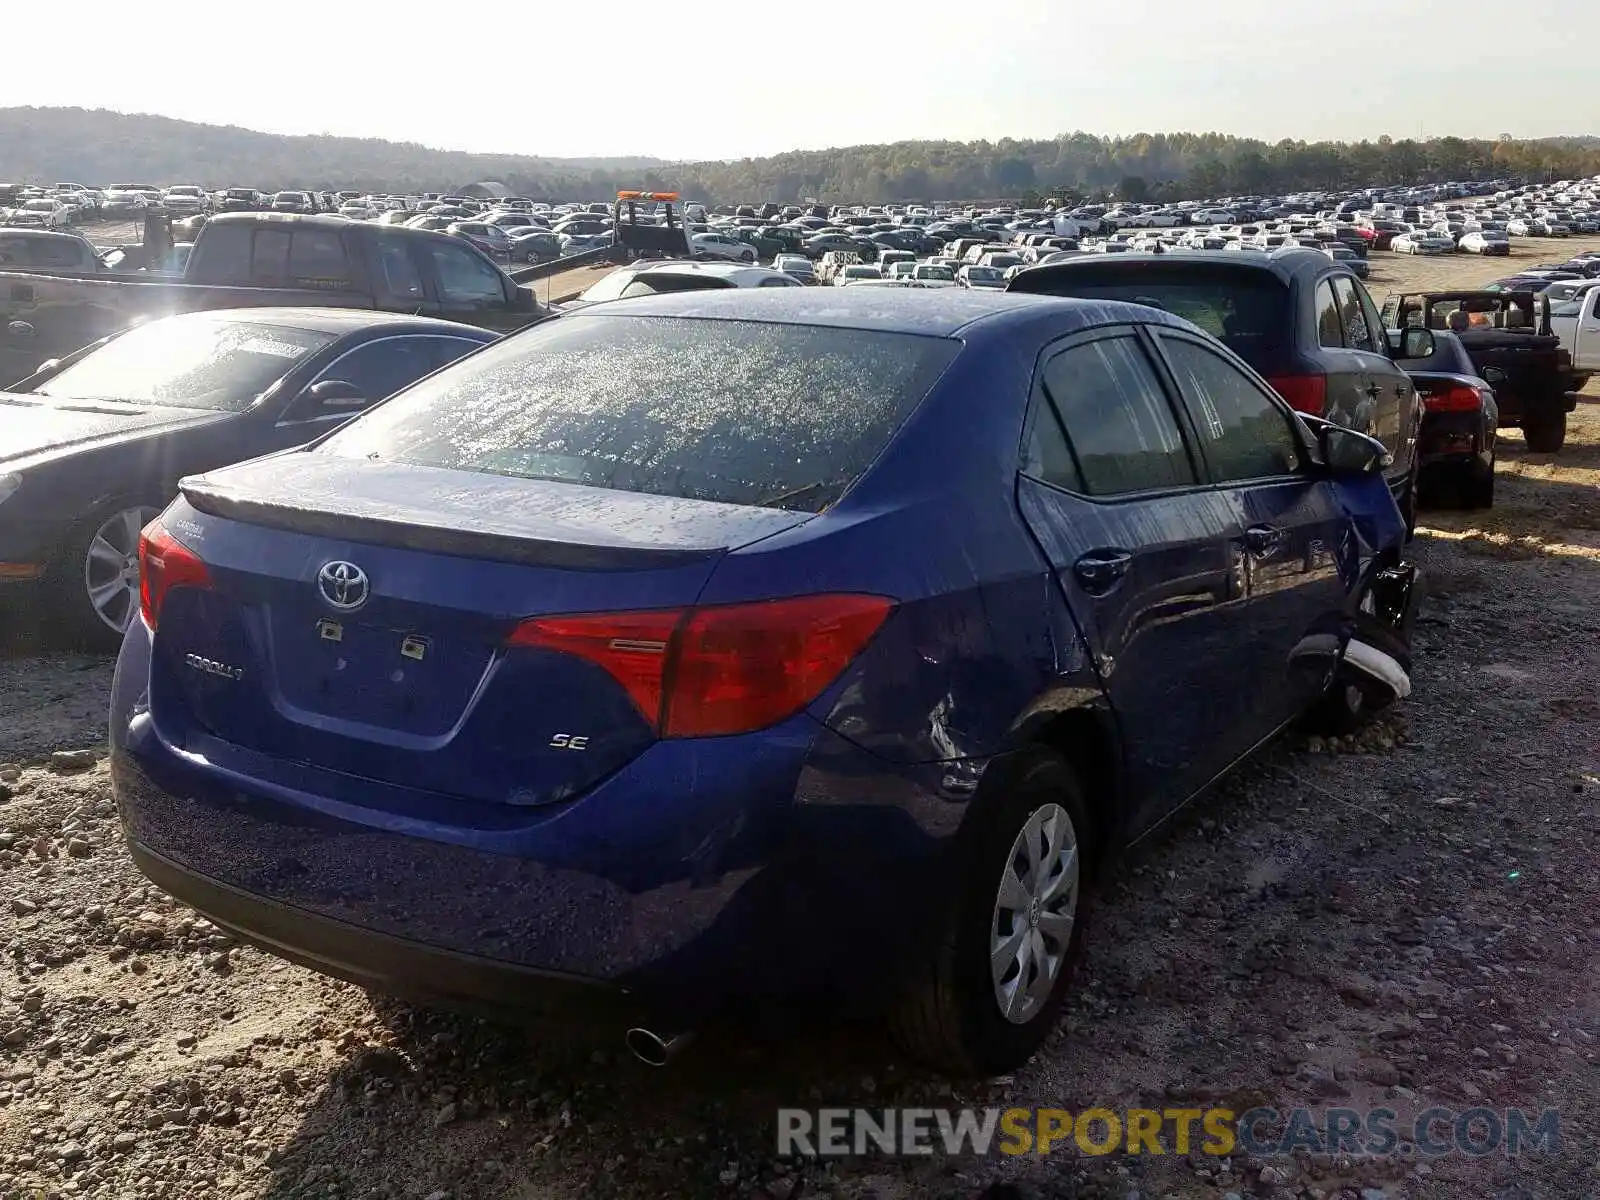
{"points": [[1408, 919]]}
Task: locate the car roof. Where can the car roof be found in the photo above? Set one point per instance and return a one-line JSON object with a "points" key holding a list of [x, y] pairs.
{"points": [[19, 231], [1286, 262], [341, 321], [941, 313]]}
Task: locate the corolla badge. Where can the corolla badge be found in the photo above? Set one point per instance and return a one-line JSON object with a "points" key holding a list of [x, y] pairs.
{"points": [[343, 585]]}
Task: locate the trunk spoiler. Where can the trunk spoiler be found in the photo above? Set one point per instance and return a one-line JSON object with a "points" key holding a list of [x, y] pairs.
{"points": [[470, 515]]}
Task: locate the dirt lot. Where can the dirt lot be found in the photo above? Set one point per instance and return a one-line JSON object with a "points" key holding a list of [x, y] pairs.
{"points": [[1407, 920]]}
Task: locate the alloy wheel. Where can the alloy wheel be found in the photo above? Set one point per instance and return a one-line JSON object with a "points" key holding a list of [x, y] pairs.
{"points": [[1034, 912], [111, 567]]}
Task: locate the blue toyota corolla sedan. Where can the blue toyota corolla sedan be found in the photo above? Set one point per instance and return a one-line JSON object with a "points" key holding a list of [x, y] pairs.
{"points": [[699, 653]]}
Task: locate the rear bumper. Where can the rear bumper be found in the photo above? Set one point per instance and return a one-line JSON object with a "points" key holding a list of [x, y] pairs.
{"points": [[392, 965], [707, 878], [1451, 439]]}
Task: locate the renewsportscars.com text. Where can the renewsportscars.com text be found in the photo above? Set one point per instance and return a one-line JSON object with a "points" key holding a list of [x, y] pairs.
{"points": [[1263, 1132]]}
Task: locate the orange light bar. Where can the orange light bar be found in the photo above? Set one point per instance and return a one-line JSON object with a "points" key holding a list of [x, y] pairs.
{"points": [[20, 572], [647, 195]]}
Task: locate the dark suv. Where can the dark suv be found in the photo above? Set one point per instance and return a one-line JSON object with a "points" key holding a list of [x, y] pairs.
{"points": [[1301, 319]]}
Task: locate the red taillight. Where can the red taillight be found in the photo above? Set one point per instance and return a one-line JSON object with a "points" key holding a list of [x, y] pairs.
{"points": [[165, 563], [721, 669], [1305, 393], [1458, 398]]}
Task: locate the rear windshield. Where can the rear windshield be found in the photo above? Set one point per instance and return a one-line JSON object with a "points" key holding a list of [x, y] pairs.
{"points": [[742, 412], [188, 362], [44, 252], [1247, 310]]}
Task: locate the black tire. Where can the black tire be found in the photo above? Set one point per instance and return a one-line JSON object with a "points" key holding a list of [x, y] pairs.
{"points": [[1547, 434], [74, 614], [1408, 504], [1344, 708], [1477, 488], [950, 1016], [748, 258]]}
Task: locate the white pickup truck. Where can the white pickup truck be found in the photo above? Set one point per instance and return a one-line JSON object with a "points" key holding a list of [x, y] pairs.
{"points": [[1577, 323]]}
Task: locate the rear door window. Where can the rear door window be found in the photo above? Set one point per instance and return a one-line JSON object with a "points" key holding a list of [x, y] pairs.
{"points": [[317, 258], [1123, 432], [397, 272], [741, 412], [1359, 334], [1330, 328], [464, 278], [1243, 433], [382, 367]]}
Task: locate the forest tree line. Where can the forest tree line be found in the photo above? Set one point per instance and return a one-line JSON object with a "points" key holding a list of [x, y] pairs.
{"points": [[44, 145]]}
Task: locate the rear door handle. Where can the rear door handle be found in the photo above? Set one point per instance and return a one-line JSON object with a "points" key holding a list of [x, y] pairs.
{"points": [[1263, 539], [1376, 390], [1099, 571]]}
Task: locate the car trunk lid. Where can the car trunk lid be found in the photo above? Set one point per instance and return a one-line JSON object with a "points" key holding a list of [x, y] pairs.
{"points": [[360, 620]]}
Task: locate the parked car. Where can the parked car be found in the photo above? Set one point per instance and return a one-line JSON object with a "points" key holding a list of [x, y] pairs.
{"points": [[856, 273], [721, 246], [92, 447], [1301, 320], [43, 212], [239, 200], [186, 200], [1346, 257], [432, 651], [798, 266], [262, 260], [971, 275], [1510, 338], [654, 279], [1460, 419], [1426, 242], [533, 243], [1484, 241], [932, 275], [491, 239]]}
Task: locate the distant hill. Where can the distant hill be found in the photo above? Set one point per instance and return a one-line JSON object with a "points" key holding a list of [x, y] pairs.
{"points": [[99, 146]]}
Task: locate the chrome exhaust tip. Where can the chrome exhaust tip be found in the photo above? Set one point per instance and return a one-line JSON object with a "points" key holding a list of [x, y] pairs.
{"points": [[652, 1048]]}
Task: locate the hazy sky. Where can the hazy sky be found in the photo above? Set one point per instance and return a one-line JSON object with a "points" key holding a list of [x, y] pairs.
{"points": [[691, 80]]}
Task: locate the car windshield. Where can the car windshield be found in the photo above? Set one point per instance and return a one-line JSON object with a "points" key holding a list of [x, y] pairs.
{"points": [[741, 412], [983, 274], [188, 362], [935, 273]]}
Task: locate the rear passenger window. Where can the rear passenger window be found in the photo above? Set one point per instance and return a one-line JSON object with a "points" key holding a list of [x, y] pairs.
{"points": [[317, 259], [1357, 334], [1117, 418], [1046, 455], [1243, 434], [269, 257], [1330, 329], [396, 269]]}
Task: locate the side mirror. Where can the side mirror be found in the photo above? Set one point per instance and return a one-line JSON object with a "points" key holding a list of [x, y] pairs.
{"points": [[336, 394], [1494, 375], [1346, 452], [1411, 342], [21, 330]]}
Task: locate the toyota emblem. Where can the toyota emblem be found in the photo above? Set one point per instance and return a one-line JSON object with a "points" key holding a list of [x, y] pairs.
{"points": [[343, 585]]}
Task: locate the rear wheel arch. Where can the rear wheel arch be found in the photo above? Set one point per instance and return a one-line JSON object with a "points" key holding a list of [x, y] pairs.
{"points": [[1086, 737]]}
